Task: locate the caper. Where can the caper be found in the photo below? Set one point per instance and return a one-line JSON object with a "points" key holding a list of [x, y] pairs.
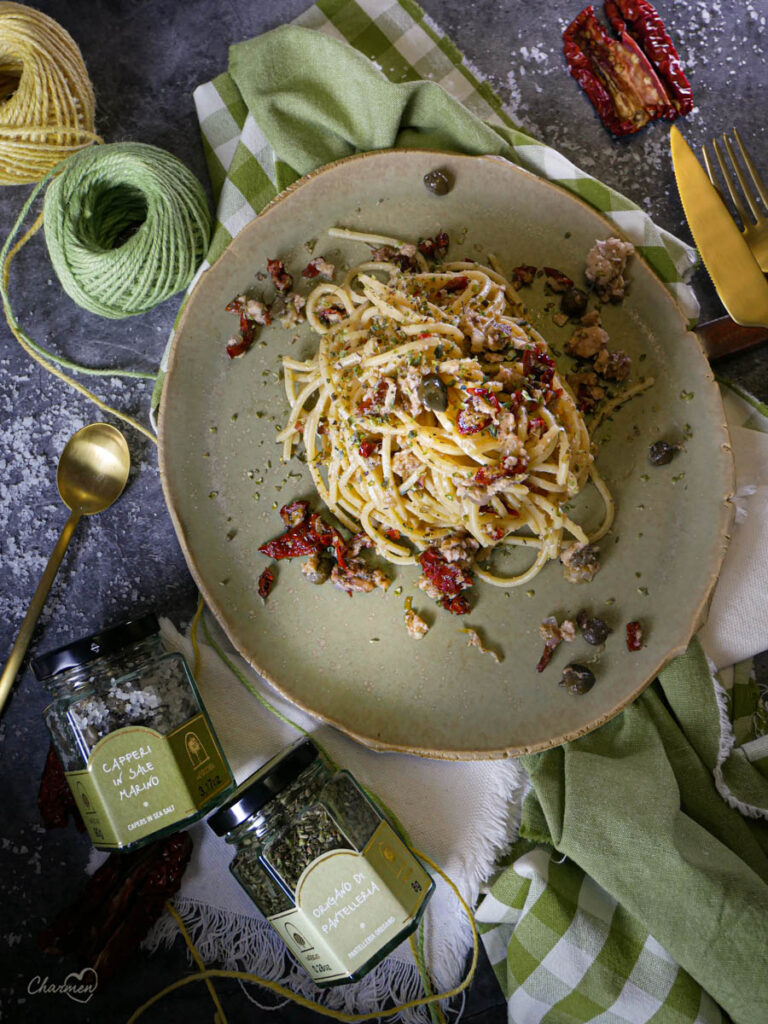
{"points": [[433, 393], [573, 302], [594, 630], [661, 453], [577, 679], [438, 182]]}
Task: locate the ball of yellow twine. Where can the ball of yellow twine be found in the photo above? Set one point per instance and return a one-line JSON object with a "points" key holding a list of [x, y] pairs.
{"points": [[46, 97]]}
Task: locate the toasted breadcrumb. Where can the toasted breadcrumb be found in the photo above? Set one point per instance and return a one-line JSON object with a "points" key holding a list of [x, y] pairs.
{"points": [[473, 640]]}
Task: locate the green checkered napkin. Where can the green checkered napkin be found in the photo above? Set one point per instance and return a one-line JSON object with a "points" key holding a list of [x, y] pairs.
{"points": [[674, 874], [297, 98], [563, 948]]}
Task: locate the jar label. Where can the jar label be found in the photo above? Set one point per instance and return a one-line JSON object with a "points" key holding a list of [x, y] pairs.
{"points": [[350, 905], [138, 781]]}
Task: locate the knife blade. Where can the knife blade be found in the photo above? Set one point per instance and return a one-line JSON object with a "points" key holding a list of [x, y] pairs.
{"points": [[723, 337], [735, 273]]}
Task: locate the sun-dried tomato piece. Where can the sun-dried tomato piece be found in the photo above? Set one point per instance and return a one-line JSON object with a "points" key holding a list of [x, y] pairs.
{"points": [[458, 605], [523, 275], [266, 582], [436, 248], [446, 576], [456, 284], [281, 279], [368, 446], [557, 280], [634, 636], [538, 366], [332, 314]]}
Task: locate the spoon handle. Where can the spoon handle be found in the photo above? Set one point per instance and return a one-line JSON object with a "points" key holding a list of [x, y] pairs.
{"points": [[36, 606]]}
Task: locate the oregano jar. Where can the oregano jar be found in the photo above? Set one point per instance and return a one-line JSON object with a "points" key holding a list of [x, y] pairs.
{"points": [[138, 749], [323, 865]]}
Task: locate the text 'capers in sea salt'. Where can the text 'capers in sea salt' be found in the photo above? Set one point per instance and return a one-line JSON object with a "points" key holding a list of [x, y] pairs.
{"points": [[438, 182], [433, 393], [577, 679]]}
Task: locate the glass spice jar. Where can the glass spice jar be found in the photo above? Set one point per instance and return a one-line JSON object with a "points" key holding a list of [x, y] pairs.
{"points": [[322, 864], [138, 749]]}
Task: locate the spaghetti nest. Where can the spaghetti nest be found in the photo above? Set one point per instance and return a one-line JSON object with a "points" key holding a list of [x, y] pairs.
{"points": [[433, 415]]}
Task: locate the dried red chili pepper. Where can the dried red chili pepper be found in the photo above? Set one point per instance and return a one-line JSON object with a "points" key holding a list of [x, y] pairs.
{"points": [[266, 581], [54, 798], [119, 904], [641, 21], [634, 636], [615, 74]]}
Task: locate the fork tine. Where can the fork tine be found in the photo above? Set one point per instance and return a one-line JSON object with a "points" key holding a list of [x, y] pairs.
{"points": [[711, 172], [748, 193], [730, 183], [756, 178]]}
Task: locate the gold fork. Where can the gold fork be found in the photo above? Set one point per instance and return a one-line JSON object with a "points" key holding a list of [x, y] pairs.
{"points": [[754, 228]]}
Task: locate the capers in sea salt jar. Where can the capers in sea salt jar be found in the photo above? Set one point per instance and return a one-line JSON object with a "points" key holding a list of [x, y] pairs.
{"points": [[137, 747]]}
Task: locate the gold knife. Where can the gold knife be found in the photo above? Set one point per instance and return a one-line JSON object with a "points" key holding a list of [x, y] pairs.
{"points": [[739, 281]]}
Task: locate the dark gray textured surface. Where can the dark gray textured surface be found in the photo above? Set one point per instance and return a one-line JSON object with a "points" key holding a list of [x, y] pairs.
{"points": [[145, 58]]}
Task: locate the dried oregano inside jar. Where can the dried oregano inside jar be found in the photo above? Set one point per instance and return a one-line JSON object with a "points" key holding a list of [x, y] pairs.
{"points": [[312, 851]]}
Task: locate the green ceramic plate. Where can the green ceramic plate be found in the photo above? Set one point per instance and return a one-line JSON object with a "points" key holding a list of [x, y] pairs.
{"points": [[350, 662]]}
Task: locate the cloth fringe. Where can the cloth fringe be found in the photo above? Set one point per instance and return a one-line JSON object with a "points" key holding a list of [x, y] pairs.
{"points": [[727, 743], [243, 943]]}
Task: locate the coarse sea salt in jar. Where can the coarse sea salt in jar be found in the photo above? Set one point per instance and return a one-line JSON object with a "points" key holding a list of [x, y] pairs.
{"points": [[322, 864], [138, 749]]}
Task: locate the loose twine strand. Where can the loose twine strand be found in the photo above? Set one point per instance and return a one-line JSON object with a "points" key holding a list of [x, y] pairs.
{"points": [[93, 201], [46, 97], [430, 1000]]}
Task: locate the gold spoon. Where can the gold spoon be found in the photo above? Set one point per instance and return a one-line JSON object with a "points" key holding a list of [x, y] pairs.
{"points": [[92, 473]]}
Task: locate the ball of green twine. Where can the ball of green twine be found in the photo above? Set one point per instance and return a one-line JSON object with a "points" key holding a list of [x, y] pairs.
{"points": [[126, 225]]}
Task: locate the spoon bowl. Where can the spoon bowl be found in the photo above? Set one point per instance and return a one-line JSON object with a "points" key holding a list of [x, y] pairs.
{"points": [[93, 470]]}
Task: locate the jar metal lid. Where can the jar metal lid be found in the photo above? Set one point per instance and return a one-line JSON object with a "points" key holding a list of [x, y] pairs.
{"points": [[99, 645], [259, 788]]}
